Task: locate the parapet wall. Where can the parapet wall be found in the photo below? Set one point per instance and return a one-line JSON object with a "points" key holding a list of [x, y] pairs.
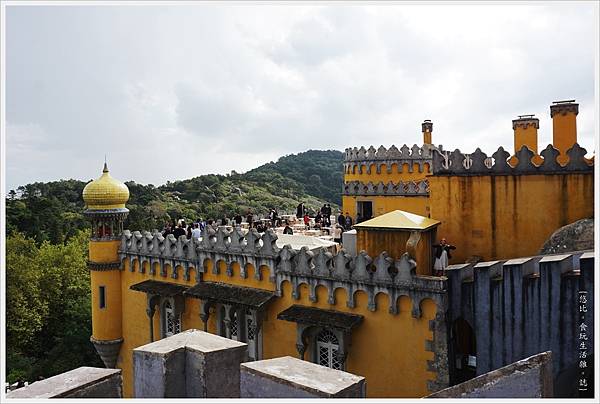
{"points": [[373, 275], [360, 157], [83, 382], [478, 163], [520, 307], [527, 378]]}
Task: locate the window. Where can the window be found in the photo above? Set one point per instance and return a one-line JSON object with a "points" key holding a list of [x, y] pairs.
{"points": [[250, 335], [172, 322], [364, 209], [242, 327], [233, 327], [102, 297], [327, 350]]}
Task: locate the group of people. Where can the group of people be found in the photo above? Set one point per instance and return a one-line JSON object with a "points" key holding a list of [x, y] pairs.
{"points": [[442, 250]]}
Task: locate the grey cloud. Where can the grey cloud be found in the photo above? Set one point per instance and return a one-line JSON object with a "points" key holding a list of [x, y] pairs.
{"points": [[220, 85]]}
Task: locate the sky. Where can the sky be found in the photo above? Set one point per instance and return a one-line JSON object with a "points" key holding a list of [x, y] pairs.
{"points": [[170, 92]]}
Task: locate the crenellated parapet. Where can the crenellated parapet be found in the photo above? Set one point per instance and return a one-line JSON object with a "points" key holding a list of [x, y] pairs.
{"points": [[317, 267], [361, 159], [478, 163], [402, 188], [520, 307]]}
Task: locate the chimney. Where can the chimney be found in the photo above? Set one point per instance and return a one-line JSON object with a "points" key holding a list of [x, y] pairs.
{"points": [[427, 128], [564, 126], [525, 128]]}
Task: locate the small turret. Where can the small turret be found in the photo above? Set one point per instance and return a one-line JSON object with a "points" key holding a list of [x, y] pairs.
{"points": [[105, 200]]}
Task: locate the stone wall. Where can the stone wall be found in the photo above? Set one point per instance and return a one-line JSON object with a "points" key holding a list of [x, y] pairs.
{"points": [[520, 307], [527, 378], [289, 377], [83, 382], [192, 363]]}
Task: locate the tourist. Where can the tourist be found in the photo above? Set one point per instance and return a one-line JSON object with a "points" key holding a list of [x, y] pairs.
{"points": [[188, 232], [348, 222], [358, 218], [288, 229], [328, 214], [249, 218], [307, 221], [179, 231], [238, 219], [442, 255], [167, 230], [337, 234], [196, 233], [341, 220], [318, 220], [300, 211]]}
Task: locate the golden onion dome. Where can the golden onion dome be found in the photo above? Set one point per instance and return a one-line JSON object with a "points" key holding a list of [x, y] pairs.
{"points": [[105, 193]]}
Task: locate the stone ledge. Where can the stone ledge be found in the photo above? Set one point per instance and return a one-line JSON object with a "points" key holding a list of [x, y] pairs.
{"points": [[83, 382]]}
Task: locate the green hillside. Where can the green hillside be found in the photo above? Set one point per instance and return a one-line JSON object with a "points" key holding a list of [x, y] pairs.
{"points": [[53, 211]]}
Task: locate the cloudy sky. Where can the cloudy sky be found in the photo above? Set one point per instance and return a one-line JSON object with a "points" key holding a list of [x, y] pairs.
{"points": [[172, 92]]}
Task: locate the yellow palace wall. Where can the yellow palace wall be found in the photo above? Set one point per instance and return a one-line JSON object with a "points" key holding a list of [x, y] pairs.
{"points": [[499, 217], [383, 204], [389, 350]]}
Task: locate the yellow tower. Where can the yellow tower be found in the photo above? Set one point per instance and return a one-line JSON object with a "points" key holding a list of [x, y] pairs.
{"points": [[105, 200], [564, 126]]}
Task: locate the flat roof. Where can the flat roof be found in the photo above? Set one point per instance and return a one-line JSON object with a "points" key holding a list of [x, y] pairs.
{"points": [[399, 220]]}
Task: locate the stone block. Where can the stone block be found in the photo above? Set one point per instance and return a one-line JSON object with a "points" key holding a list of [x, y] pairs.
{"points": [[83, 382], [192, 363], [527, 378], [288, 377]]}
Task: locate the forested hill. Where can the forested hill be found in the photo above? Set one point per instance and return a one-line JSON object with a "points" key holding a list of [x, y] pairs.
{"points": [[54, 211], [319, 173]]}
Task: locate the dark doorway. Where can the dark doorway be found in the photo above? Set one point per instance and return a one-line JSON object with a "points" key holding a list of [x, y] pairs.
{"points": [[365, 210], [465, 351]]}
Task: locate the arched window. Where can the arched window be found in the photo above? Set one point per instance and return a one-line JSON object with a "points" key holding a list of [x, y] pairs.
{"points": [[234, 326], [327, 349], [250, 334], [172, 323]]}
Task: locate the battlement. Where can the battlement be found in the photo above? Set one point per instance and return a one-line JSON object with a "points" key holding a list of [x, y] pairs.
{"points": [[359, 157], [407, 188], [393, 153], [372, 275], [478, 163]]}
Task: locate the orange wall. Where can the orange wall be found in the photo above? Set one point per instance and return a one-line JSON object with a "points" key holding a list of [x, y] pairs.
{"points": [[382, 204], [499, 217]]}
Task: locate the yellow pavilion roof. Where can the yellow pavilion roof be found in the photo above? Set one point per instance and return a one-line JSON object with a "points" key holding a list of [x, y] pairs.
{"points": [[399, 220], [105, 193]]}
